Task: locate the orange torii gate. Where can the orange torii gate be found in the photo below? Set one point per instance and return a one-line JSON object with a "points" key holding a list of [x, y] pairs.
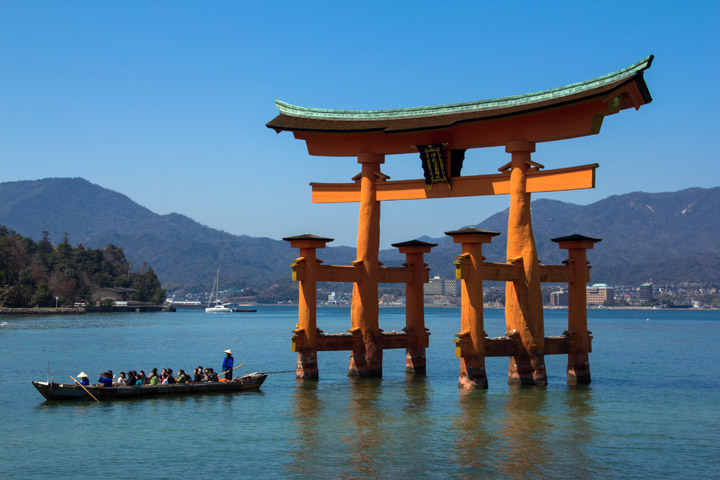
{"points": [[442, 134]]}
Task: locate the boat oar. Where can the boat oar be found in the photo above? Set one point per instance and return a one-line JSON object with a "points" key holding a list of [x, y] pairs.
{"points": [[228, 371], [86, 390]]}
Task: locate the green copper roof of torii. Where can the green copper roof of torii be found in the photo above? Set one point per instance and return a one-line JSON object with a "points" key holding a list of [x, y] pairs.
{"points": [[465, 107]]}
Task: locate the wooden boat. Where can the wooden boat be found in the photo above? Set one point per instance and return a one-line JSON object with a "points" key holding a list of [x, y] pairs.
{"points": [[68, 391]]}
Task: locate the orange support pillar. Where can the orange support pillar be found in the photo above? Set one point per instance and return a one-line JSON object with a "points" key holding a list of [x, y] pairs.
{"points": [[366, 361], [578, 367], [523, 298], [470, 344], [415, 305], [305, 273]]}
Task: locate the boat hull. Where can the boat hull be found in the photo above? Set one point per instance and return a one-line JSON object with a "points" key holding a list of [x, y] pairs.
{"points": [[67, 391], [218, 310]]}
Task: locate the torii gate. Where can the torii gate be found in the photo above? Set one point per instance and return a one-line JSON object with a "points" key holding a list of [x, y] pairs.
{"points": [[442, 134]]}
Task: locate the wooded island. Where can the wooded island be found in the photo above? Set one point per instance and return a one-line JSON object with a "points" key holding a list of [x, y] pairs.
{"points": [[41, 274]]}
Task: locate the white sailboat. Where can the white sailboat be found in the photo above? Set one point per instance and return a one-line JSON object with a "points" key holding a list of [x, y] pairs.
{"points": [[218, 307]]}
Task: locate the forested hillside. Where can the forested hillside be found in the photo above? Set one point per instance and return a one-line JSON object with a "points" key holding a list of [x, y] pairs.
{"points": [[33, 273], [182, 251]]}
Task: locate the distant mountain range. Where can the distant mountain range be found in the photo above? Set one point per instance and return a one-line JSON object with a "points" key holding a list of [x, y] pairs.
{"points": [[663, 237], [179, 249]]}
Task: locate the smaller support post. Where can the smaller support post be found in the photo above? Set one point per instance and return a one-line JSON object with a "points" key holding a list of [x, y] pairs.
{"points": [[415, 305], [470, 344], [578, 366], [305, 273]]}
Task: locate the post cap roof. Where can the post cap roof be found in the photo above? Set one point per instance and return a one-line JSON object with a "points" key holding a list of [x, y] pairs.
{"points": [[308, 236], [472, 231], [576, 237], [414, 243]]}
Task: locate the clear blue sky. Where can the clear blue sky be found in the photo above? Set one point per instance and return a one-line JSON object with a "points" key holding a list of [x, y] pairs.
{"points": [[166, 101]]}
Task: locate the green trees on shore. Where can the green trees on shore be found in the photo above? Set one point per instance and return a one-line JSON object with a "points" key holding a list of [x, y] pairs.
{"points": [[35, 273]]}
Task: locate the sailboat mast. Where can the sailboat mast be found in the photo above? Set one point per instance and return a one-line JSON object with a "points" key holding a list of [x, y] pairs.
{"points": [[214, 292]]}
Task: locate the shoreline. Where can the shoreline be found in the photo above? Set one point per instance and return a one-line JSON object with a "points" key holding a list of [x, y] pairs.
{"points": [[47, 311], [42, 311]]}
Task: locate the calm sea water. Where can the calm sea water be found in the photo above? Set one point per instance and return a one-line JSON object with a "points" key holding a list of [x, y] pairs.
{"points": [[652, 411]]}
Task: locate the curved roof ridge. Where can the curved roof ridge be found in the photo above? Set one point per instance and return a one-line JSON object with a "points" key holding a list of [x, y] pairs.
{"points": [[480, 105]]}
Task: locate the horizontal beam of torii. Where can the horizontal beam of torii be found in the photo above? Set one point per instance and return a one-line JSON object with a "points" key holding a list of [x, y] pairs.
{"points": [[561, 179]]}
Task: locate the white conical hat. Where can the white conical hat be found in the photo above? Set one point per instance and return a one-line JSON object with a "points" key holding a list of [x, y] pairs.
{"points": [[228, 351], [82, 374]]}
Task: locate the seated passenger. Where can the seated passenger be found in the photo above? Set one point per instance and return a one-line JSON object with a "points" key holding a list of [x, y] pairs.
{"points": [[141, 380], [211, 375], [84, 381], [182, 376], [132, 378], [153, 379], [122, 380], [164, 379], [106, 379], [170, 377], [198, 374]]}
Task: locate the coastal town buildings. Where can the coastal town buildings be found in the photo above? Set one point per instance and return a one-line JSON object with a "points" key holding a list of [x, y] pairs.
{"points": [[600, 294], [646, 292], [440, 286], [559, 298]]}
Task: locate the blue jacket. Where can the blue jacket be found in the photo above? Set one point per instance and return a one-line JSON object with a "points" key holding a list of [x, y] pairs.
{"points": [[107, 382], [84, 381], [227, 363]]}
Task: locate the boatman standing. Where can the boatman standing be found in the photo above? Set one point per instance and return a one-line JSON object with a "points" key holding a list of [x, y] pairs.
{"points": [[227, 365]]}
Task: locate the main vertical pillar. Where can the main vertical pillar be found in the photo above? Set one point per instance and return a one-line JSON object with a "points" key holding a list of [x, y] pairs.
{"points": [[470, 344], [305, 273], [366, 360], [414, 250], [578, 366], [523, 298]]}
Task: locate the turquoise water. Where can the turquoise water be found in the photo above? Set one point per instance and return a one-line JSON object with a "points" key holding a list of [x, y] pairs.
{"points": [[652, 411]]}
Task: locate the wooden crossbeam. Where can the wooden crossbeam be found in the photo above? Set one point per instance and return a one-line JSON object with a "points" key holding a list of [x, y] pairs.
{"points": [[494, 347], [556, 273], [502, 272], [338, 273], [335, 342], [352, 274], [508, 272], [560, 179], [394, 275], [507, 347]]}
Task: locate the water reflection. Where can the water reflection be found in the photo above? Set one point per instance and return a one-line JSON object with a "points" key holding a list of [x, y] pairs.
{"points": [[525, 429], [416, 430], [307, 411], [417, 391], [580, 431], [546, 437], [363, 428], [365, 434], [474, 436]]}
